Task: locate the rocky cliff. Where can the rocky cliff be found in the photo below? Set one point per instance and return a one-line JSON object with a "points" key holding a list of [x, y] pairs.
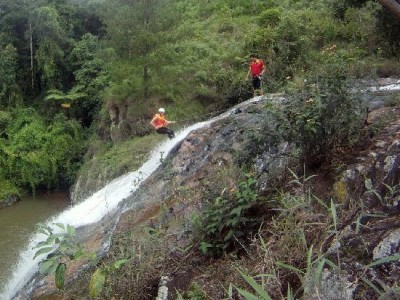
{"points": [[341, 225]]}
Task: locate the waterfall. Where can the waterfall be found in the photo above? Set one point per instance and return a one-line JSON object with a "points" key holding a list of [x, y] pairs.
{"points": [[101, 203]]}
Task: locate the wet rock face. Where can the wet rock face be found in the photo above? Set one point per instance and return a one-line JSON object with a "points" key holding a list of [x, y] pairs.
{"points": [[370, 192], [207, 151], [375, 177], [86, 186]]}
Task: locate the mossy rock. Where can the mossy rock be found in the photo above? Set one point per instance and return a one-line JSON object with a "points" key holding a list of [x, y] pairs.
{"points": [[9, 193], [340, 191]]}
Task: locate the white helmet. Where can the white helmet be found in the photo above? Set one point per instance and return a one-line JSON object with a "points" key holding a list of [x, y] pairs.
{"points": [[161, 110]]}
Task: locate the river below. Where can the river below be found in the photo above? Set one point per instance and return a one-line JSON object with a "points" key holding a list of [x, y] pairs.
{"points": [[19, 222]]}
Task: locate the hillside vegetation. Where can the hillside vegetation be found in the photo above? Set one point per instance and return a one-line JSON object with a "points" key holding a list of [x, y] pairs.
{"points": [[106, 66]]}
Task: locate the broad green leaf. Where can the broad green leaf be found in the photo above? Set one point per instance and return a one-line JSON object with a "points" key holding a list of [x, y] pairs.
{"points": [[97, 282], [45, 266], [60, 275], [368, 184], [41, 244], [204, 247], [70, 230], [45, 231], [120, 263], [78, 254], [43, 251], [60, 225], [52, 269], [54, 237]]}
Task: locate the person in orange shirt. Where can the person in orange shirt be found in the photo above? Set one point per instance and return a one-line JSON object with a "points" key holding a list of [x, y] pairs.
{"points": [[160, 123], [256, 70]]}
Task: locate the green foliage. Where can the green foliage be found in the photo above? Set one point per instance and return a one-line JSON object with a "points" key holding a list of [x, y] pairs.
{"points": [[392, 101], [225, 221], [310, 278], [34, 154], [176, 53], [386, 195], [60, 247], [91, 78], [5, 118], [49, 53], [8, 189], [195, 292], [97, 282], [60, 275], [98, 278], [113, 160], [322, 115], [270, 17], [8, 73], [259, 289], [58, 95]]}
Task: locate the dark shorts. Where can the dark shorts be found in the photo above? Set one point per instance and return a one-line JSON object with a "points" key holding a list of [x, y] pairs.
{"points": [[165, 130], [256, 82]]}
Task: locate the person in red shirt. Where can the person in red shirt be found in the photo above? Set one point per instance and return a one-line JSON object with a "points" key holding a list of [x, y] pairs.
{"points": [[160, 123], [256, 70]]}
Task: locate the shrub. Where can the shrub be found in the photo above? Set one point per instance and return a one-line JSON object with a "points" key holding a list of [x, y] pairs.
{"points": [[8, 189], [323, 114], [269, 17], [226, 221], [34, 154]]}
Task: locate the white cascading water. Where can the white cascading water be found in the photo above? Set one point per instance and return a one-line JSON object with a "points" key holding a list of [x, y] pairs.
{"points": [[94, 208]]}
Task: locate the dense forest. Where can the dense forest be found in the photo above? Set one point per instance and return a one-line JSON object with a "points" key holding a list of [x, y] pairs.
{"points": [[73, 71]]}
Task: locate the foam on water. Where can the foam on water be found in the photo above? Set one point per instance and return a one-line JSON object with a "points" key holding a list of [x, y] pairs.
{"points": [[389, 87]]}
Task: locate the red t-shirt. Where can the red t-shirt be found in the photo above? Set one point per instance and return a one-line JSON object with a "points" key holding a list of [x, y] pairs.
{"points": [[256, 67]]}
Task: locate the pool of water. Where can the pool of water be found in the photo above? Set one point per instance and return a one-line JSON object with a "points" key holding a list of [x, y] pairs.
{"points": [[19, 222]]}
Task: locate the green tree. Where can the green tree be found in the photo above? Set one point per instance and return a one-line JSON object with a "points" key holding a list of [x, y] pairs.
{"points": [[8, 74], [35, 155], [50, 38], [90, 78], [135, 34]]}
